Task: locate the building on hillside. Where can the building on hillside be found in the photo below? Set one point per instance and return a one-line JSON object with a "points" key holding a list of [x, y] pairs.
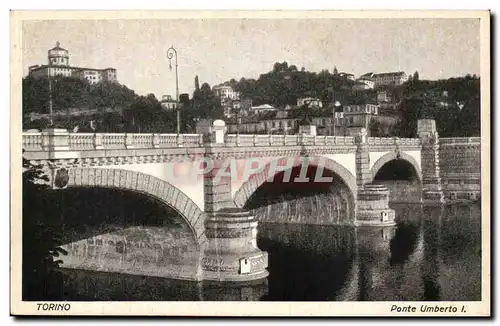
{"points": [[390, 78], [310, 102], [242, 104], [286, 122], [262, 108], [349, 122], [225, 93], [347, 76], [386, 78], [168, 103], [263, 125], [388, 108], [383, 97], [358, 117], [363, 84], [368, 75], [238, 107], [58, 65]]}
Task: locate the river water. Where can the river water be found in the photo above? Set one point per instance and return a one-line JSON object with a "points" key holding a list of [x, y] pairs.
{"points": [[433, 253]]}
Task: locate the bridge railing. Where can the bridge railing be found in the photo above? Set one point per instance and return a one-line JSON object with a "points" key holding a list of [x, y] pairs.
{"points": [[460, 140], [39, 141], [410, 141], [286, 140], [32, 141], [386, 141]]}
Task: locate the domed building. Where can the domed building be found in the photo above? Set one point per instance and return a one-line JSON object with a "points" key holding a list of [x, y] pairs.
{"points": [[58, 56], [58, 64]]}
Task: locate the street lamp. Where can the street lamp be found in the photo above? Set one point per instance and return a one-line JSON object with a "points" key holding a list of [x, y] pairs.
{"points": [[51, 114], [238, 122], [171, 52], [335, 107]]}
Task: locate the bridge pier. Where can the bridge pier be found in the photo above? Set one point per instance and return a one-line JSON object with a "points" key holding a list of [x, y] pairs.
{"points": [[432, 192], [230, 253], [372, 201]]}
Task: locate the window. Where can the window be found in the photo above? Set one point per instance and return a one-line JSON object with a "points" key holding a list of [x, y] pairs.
{"points": [[120, 247]]}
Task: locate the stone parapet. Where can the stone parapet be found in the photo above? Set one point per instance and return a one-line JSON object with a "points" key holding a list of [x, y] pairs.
{"points": [[460, 164]]}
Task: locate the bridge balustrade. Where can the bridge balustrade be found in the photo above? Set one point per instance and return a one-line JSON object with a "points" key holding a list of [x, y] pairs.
{"points": [[387, 141], [89, 141], [460, 140], [32, 141], [286, 140], [410, 141]]}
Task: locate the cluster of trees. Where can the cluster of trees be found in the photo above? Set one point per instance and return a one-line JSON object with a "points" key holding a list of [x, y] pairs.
{"points": [[284, 84], [40, 241], [118, 108], [71, 92], [454, 103]]}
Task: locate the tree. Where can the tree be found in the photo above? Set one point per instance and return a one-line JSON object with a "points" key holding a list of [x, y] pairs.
{"points": [[415, 76], [149, 116], [335, 71], [380, 128], [206, 104], [196, 83], [40, 240]]}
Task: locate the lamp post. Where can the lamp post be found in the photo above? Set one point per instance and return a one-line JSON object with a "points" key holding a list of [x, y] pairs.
{"points": [[51, 113], [335, 107], [171, 52], [238, 123]]}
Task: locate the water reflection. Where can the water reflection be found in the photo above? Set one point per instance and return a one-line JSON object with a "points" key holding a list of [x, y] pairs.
{"points": [[412, 261], [432, 254], [307, 262]]}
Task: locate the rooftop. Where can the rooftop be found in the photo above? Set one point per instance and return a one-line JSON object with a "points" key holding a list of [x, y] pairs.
{"points": [[58, 47], [69, 67], [387, 74]]}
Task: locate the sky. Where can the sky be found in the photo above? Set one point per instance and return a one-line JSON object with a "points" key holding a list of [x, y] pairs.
{"points": [[220, 49]]}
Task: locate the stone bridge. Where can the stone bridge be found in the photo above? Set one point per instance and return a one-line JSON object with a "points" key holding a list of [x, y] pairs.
{"points": [[207, 177]]}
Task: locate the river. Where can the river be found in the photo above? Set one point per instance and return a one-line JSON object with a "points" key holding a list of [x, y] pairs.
{"points": [[433, 253]]}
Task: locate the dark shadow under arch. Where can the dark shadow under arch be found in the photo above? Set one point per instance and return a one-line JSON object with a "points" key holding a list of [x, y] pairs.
{"points": [[145, 184], [273, 198], [244, 193], [401, 159]]}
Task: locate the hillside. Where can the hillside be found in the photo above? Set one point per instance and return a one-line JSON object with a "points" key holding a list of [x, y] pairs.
{"points": [[68, 92]]}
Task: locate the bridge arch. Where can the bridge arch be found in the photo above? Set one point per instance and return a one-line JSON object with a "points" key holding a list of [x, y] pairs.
{"points": [[144, 184], [244, 193], [393, 156]]}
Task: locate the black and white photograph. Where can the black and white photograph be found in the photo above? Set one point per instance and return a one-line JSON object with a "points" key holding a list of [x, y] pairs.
{"points": [[317, 159]]}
